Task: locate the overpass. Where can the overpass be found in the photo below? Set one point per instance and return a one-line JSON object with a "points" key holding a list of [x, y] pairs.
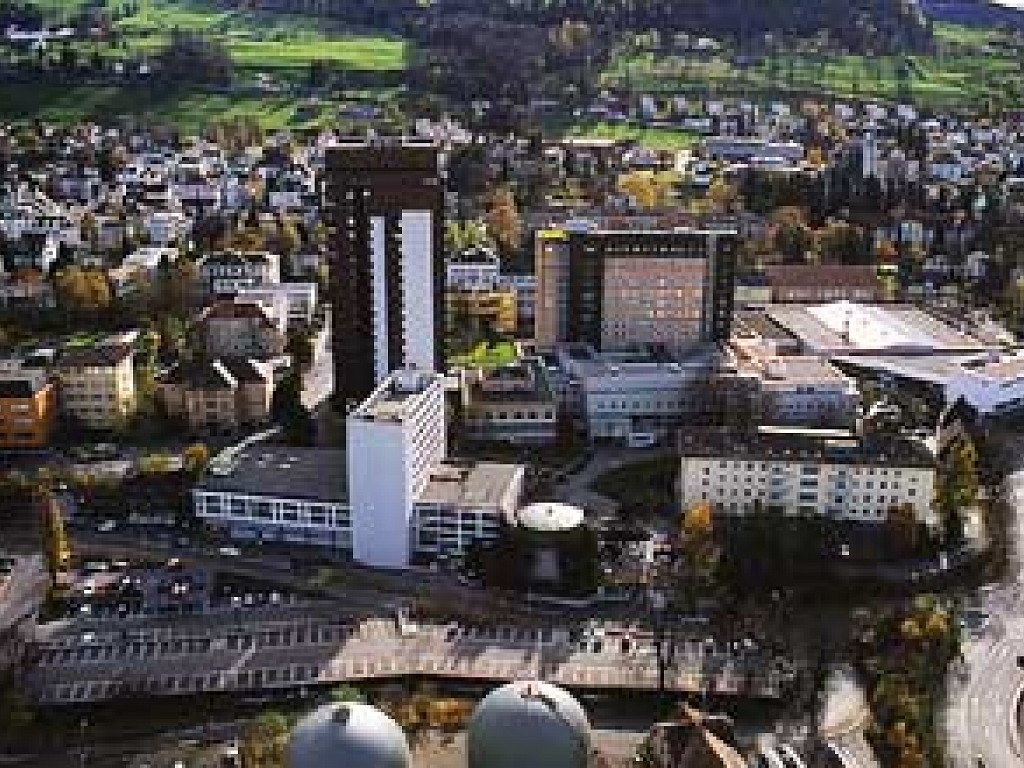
{"points": [[311, 646]]}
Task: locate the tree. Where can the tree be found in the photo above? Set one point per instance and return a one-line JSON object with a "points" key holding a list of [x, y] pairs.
{"points": [[958, 481], [698, 553], [301, 346], [288, 239], [288, 411], [842, 243], [346, 694], [57, 547], [722, 195], [195, 458], [264, 742], [641, 188], [903, 528], [80, 291], [503, 219], [154, 464]]}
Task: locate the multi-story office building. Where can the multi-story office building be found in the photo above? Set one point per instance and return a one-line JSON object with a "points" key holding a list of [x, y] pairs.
{"points": [[97, 385], [384, 203], [391, 497], [511, 404], [831, 473], [615, 289], [465, 502], [27, 408], [394, 439], [295, 495]]}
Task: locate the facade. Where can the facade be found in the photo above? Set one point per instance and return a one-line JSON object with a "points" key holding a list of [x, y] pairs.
{"points": [[830, 473], [295, 301], [243, 330], [225, 274], [513, 404], [482, 309], [384, 204], [476, 268], [28, 405], [615, 395], [615, 289], [812, 283], [270, 493], [97, 385], [395, 438], [464, 502], [218, 395], [807, 391]]}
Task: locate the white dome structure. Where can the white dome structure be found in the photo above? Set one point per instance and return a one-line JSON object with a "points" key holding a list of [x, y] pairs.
{"points": [[529, 723], [549, 517], [348, 735]]}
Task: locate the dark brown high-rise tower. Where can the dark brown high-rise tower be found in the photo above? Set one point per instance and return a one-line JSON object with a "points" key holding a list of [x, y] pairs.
{"points": [[384, 203]]}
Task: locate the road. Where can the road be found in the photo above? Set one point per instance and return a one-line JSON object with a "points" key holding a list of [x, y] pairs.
{"points": [[982, 726], [23, 592]]}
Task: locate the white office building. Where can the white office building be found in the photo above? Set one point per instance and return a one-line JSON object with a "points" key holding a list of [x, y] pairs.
{"points": [[395, 437], [392, 496]]}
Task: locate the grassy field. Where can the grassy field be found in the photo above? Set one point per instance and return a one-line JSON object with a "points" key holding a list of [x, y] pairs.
{"points": [[973, 67], [655, 138], [187, 110], [256, 40], [484, 355]]}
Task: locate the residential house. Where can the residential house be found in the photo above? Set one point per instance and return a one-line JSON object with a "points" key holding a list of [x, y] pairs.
{"points": [[28, 406], [224, 274], [222, 395], [240, 329]]}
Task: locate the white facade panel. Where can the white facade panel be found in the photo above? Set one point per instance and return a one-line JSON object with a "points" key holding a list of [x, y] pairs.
{"points": [[379, 494], [380, 299], [418, 288]]}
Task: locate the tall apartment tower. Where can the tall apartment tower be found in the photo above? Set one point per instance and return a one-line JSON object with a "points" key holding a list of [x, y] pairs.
{"points": [[394, 438], [615, 289], [384, 202]]}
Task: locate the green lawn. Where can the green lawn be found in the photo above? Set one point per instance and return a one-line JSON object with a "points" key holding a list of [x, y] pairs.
{"points": [[484, 355], [185, 109], [971, 68], [655, 138], [256, 40]]}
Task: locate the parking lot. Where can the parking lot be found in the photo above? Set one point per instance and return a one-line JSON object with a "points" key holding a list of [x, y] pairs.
{"points": [[284, 649]]}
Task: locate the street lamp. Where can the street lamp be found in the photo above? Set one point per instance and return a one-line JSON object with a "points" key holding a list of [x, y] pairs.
{"points": [[658, 603]]}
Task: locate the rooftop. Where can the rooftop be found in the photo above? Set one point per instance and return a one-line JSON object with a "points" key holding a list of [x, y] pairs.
{"points": [[312, 474], [800, 370], [469, 483], [523, 381], [845, 326], [97, 356], [21, 387], [800, 444], [395, 396]]}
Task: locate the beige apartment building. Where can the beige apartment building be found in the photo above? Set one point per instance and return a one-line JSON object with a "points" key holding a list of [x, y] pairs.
{"points": [[829, 473], [218, 395], [97, 385]]}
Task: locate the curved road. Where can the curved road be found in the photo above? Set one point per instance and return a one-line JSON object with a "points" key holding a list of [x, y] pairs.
{"points": [[983, 721]]}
